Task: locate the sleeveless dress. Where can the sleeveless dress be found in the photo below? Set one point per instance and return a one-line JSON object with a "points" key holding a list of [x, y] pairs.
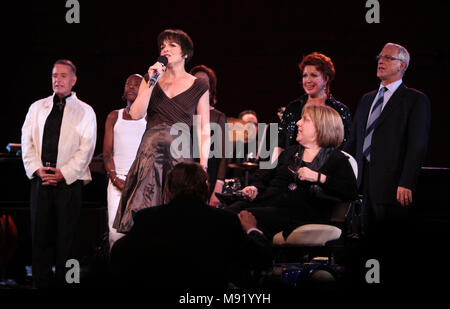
{"points": [[169, 120]]}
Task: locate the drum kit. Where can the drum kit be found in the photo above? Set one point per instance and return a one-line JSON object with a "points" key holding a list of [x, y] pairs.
{"points": [[239, 131], [242, 131]]}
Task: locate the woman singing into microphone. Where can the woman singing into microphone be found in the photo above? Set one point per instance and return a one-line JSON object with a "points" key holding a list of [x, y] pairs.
{"points": [[170, 104]]}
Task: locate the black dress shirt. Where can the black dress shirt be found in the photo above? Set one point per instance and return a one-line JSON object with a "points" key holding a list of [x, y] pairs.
{"points": [[52, 130]]}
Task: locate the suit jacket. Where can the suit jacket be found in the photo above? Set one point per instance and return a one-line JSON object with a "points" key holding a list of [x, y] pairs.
{"points": [[186, 244], [399, 142]]}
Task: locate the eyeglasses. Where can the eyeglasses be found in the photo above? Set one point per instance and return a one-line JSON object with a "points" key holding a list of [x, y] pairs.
{"points": [[387, 57]]}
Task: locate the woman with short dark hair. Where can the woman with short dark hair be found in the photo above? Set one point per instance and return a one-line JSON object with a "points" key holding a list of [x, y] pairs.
{"points": [[181, 38], [170, 105]]}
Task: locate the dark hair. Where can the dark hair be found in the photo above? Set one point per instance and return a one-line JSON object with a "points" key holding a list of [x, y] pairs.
{"points": [[129, 77], [68, 63], [322, 63], [212, 80], [247, 111], [180, 37], [188, 178]]}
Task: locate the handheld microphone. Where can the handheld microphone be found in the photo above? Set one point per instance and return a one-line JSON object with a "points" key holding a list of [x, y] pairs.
{"points": [[163, 60]]}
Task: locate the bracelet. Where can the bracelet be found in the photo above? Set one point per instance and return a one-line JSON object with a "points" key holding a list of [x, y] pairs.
{"points": [[318, 177], [110, 171], [205, 167]]}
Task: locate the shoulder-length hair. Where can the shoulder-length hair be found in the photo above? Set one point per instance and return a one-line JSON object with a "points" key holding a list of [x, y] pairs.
{"points": [[212, 80], [328, 125]]}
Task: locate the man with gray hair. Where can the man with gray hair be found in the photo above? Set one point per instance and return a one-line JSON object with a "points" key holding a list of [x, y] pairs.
{"points": [[389, 139], [58, 140]]}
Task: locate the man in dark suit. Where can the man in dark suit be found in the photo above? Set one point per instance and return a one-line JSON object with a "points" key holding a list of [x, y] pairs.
{"points": [[389, 139], [188, 244]]}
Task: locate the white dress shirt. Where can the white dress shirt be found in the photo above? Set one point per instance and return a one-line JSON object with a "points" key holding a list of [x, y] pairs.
{"points": [[76, 140], [391, 88]]}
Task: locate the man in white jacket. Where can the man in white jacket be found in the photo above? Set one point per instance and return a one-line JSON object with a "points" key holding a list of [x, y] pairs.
{"points": [[58, 142]]}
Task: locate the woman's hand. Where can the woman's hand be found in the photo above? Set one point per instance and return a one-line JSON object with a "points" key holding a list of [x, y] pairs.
{"points": [[306, 174], [156, 68], [119, 183], [250, 192], [214, 201]]}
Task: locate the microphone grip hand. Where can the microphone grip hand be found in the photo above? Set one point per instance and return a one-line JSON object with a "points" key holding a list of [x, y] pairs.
{"points": [[154, 79], [155, 72]]}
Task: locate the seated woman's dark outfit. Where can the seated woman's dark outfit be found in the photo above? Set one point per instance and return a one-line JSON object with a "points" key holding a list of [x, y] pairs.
{"points": [[282, 206]]}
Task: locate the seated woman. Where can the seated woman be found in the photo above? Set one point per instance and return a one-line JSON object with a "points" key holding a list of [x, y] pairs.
{"points": [[285, 197]]}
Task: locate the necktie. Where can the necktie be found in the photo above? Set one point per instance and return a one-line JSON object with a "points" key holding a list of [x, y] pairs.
{"points": [[60, 105], [374, 115]]}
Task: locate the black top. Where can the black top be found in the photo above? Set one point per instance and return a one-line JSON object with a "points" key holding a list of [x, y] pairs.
{"points": [[304, 205], [287, 128], [52, 130], [217, 166]]}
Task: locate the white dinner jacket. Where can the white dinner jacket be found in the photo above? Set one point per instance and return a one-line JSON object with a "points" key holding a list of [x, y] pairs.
{"points": [[76, 141]]}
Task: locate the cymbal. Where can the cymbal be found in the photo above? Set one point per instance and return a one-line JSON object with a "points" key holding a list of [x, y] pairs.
{"points": [[246, 165], [239, 130]]}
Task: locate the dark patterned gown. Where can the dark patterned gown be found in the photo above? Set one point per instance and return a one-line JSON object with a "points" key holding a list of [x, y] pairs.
{"points": [[169, 120]]}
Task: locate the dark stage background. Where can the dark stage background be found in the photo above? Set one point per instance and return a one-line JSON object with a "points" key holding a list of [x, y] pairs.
{"points": [[253, 46]]}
